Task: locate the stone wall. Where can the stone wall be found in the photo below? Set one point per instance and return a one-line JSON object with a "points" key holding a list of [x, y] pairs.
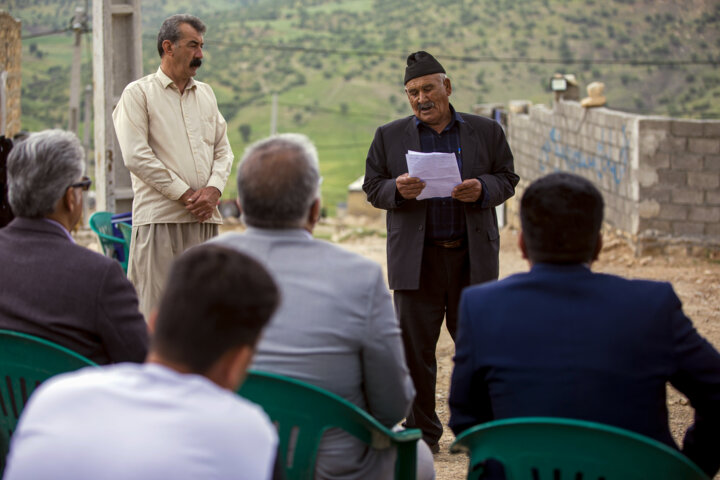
{"points": [[660, 177], [10, 57], [678, 182]]}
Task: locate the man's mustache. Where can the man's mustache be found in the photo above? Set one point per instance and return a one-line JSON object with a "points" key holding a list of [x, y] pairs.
{"points": [[195, 62], [425, 106]]}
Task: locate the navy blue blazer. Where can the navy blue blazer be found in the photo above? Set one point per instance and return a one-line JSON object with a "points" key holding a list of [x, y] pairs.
{"points": [[562, 341], [52, 288]]}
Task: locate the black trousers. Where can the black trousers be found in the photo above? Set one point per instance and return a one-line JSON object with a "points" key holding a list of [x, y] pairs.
{"points": [[443, 275]]}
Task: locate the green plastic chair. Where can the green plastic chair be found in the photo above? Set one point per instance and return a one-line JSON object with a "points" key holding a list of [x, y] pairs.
{"points": [[540, 448], [25, 362], [303, 412], [101, 224], [126, 230]]}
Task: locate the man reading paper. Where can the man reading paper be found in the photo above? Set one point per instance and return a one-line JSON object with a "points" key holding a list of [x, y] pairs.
{"points": [[437, 246]]}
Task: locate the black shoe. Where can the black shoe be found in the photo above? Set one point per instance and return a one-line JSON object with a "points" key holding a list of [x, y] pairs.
{"points": [[434, 448]]}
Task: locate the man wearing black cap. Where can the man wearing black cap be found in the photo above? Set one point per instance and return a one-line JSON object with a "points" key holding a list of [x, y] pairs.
{"points": [[436, 246]]}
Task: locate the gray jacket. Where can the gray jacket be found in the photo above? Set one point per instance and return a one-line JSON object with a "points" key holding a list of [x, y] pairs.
{"points": [[336, 328]]}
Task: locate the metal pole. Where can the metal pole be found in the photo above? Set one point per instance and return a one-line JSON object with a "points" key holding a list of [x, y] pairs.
{"points": [[79, 24], [273, 115], [117, 61], [86, 123]]}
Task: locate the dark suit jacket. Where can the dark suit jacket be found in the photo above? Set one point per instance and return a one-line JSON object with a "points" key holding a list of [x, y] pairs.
{"points": [[52, 288], [561, 341], [486, 155]]}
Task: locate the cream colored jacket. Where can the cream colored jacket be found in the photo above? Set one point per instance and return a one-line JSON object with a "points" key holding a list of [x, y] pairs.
{"points": [[171, 142]]}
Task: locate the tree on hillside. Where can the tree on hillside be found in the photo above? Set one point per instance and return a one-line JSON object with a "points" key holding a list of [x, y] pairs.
{"points": [[245, 131]]}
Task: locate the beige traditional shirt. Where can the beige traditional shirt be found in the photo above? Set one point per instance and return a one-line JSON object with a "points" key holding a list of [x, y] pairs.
{"points": [[171, 142]]}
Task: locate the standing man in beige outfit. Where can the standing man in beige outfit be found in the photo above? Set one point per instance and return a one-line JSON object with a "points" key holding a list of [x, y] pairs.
{"points": [[174, 142]]}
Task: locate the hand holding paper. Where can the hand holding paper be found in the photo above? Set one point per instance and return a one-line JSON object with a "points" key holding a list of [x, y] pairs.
{"points": [[468, 191], [439, 172], [409, 187]]}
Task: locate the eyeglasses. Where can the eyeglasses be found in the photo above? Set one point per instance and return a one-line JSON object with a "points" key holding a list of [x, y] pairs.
{"points": [[84, 184]]}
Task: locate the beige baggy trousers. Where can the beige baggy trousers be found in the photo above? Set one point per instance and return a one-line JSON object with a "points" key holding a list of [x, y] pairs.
{"points": [[152, 250]]}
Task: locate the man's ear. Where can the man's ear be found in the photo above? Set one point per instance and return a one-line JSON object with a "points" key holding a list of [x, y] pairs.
{"points": [[167, 47], [521, 245], [448, 86], [70, 200], [314, 215], [152, 320]]}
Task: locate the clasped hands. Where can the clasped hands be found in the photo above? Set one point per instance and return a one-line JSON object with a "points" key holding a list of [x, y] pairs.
{"points": [[410, 187], [201, 203]]}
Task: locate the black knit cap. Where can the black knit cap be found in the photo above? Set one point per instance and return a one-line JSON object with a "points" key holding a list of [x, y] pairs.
{"points": [[420, 64]]}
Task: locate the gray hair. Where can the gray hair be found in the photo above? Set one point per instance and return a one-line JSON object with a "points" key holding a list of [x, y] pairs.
{"points": [[278, 181], [170, 29], [40, 169]]}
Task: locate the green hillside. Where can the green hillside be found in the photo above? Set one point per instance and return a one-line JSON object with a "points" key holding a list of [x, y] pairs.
{"points": [[337, 65]]}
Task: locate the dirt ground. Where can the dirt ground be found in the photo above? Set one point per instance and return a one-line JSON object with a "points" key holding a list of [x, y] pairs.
{"points": [[696, 281]]}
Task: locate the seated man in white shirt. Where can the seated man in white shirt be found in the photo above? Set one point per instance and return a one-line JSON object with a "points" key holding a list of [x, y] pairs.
{"points": [[175, 416]]}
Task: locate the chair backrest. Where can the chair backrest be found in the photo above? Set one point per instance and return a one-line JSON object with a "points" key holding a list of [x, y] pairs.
{"points": [[126, 230], [25, 362], [303, 412], [101, 224], [540, 448]]}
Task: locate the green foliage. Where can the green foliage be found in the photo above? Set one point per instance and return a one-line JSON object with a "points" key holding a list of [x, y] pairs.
{"points": [[245, 130], [337, 65]]}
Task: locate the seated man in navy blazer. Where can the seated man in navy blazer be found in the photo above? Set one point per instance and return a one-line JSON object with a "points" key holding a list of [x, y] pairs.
{"points": [[51, 287], [562, 341]]}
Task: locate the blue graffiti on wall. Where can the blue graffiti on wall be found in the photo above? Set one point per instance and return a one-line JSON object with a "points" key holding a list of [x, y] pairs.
{"points": [[607, 160]]}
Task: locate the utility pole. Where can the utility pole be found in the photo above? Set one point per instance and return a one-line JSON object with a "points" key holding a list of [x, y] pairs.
{"points": [[86, 145], [273, 115], [79, 26], [86, 123], [117, 61]]}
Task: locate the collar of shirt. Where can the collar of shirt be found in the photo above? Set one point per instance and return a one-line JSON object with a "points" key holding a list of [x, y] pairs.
{"points": [[60, 226], [455, 117], [280, 232], [560, 267], [166, 81]]}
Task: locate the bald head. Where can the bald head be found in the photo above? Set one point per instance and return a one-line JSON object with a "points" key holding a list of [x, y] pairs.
{"points": [[278, 181]]}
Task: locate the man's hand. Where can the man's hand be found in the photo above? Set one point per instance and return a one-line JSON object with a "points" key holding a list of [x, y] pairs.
{"points": [[409, 187], [186, 196], [201, 203], [468, 191]]}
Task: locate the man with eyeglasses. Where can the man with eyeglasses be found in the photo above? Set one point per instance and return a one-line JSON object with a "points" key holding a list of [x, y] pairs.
{"points": [[174, 142], [51, 287]]}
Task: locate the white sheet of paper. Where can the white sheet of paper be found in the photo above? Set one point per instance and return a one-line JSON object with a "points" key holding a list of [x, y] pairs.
{"points": [[438, 170]]}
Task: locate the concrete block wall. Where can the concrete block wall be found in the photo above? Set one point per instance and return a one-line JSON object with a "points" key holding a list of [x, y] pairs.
{"points": [[10, 57], [678, 182], [660, 177]]}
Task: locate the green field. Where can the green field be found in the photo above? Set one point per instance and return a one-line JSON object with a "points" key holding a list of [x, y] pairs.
{"points": [[337, 65]]}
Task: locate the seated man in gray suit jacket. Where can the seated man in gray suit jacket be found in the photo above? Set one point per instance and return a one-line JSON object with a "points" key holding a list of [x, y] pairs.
{"points": [[51, 287], [336, 327]]}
